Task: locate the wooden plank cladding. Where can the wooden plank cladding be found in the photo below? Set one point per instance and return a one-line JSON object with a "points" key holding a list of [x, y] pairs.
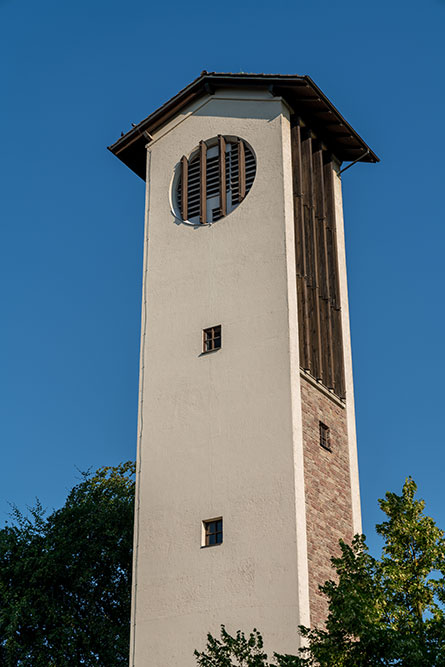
{"points": [[319, 315], [203, 182], [241, 170], [222, 175], [185, 187]]}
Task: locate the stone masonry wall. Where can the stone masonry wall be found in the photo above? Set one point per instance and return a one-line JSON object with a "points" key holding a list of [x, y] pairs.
{"points": [[328, 490]]}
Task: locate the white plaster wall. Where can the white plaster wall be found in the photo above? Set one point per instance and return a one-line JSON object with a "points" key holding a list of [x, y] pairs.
{"points": [[219, 435]]}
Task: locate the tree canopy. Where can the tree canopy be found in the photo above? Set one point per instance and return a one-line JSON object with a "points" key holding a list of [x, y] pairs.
{"points": [[382, 612], [65, 578]]}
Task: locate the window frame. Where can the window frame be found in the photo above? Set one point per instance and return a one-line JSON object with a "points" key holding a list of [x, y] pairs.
{"points": [[213, 180], [206, 534], [325, 436], [215, 334]]}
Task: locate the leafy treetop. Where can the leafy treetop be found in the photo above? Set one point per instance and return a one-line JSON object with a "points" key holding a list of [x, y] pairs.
{"points": [[382, 612], [65, 578]]}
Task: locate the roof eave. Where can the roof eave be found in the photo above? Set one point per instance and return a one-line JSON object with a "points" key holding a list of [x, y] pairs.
{"points": [[342, 139]]}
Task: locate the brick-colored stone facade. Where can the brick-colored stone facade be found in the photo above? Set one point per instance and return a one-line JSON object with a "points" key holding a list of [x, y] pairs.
{"points": [[328, 490]]}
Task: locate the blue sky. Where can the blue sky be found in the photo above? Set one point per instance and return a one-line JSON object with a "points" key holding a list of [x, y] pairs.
{"points": [[76, 74]]}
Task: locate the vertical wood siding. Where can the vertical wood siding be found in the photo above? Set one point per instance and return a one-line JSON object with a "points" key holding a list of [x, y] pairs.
{"points": [[320, 333]]}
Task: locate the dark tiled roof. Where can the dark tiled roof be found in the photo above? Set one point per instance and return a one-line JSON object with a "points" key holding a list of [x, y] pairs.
{"points": [[300, 92]]}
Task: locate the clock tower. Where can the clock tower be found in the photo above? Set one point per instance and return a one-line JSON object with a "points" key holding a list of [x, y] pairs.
{"points": [[247, 470]]}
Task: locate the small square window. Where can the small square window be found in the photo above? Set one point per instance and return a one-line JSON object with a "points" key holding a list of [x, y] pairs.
{"points": [[211, 339], [212, 532], [325, 437]]}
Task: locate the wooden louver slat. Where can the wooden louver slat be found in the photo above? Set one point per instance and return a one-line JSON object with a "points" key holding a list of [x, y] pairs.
{"points": [[332, 242], [241, 169], [222, 175], [324, 285], [309, 274], [203, 182], [337, 336], [313, 277], [326, 295], [184, 187], [300, 248]]}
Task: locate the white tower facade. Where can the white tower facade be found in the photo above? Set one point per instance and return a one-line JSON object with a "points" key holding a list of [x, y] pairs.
{"points": [[247, 464]]}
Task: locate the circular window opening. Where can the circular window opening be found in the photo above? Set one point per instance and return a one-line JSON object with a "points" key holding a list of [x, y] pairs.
{"points": [[214, 180]]}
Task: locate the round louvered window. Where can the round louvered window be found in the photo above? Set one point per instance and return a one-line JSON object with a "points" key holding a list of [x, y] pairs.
{"points": [[214, 180]]}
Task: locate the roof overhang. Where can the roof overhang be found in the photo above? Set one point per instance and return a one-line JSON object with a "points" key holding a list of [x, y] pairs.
{"points": [[300, 92]]}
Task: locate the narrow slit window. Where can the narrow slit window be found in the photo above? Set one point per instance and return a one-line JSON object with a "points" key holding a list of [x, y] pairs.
{"points": [[325, 437], [213, 532], [211, 339]]}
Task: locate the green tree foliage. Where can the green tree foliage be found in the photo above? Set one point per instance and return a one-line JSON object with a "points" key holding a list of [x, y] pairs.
{"points": [[65, 578], [382, 612]]}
